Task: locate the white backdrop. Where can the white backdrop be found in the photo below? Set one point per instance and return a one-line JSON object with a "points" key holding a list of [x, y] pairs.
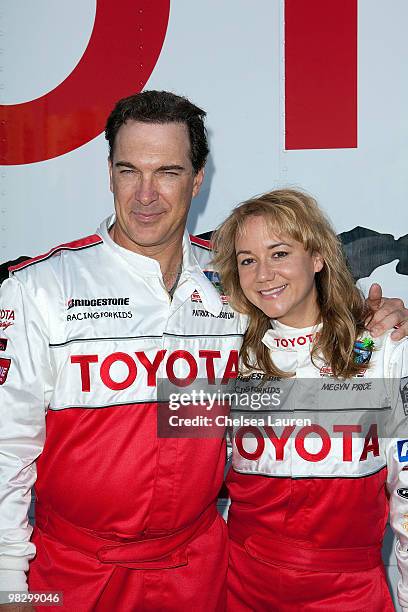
{"points": [[228, 57]]}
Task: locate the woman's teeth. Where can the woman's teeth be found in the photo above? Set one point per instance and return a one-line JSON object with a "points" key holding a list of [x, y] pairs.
{"points": [[273, 292]]}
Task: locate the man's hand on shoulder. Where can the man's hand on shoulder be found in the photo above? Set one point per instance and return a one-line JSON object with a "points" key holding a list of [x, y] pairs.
{"points": [[386, 313]]}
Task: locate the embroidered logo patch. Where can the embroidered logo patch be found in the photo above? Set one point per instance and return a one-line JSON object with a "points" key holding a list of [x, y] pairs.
{"points": [[404, 393], [7, 318], [363, 350], [215, 280], [195, 297], [3, 344], [326, 371], [402, 446], [4, 369]]}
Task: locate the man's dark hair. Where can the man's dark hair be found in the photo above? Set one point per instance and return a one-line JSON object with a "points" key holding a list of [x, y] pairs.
{"points": [[161, 107]]}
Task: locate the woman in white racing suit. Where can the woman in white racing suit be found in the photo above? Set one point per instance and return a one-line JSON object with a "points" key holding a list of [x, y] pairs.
{"points": [[311, 495]]}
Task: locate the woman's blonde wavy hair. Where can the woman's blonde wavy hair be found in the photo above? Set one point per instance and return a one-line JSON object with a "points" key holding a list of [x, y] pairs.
{"points": [[295, 214]]}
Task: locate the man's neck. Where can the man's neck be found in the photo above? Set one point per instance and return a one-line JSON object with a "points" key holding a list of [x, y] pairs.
{"points": [[169, 256]]}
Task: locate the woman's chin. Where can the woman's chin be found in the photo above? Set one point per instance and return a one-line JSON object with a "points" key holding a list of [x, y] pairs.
{"points": [[273, 311]]}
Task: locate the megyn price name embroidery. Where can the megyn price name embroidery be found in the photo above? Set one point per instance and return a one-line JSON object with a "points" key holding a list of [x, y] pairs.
{"points": [[89, 365], [254, 447]]}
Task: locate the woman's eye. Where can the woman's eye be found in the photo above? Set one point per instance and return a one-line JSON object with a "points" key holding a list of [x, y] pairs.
{"points": [[280, 254], [246, 262]]}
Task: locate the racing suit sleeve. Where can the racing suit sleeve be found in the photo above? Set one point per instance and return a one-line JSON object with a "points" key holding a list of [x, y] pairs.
{"points": [[25, 379], [397, 463]]}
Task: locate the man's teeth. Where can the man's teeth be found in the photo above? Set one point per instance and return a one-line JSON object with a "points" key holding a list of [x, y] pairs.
{"points": [[274, 291]]}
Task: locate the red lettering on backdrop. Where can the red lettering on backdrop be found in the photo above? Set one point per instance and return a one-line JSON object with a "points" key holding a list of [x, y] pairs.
{"points": [[320, 74], [320, 79], [123, 50]]}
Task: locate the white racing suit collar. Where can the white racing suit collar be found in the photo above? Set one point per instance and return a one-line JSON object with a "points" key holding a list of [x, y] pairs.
{"points": [[285, 338], [147, 266]]}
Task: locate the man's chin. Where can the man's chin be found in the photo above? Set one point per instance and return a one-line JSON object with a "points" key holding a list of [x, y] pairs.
{"points": [[149, 234], [153, 240]]}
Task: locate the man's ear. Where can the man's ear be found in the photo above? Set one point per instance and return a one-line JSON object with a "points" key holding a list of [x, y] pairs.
{"points": [[318, 262], [198, 180], [110, 168]]}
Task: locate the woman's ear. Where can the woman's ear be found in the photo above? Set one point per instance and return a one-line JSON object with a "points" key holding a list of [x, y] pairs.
{"points": [[318, 262]]}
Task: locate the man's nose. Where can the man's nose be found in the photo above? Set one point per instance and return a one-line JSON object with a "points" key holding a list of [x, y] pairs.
{"points": [[146, 191]]}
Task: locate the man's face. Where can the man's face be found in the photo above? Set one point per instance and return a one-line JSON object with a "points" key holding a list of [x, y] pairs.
{"points": [[152, 181]]}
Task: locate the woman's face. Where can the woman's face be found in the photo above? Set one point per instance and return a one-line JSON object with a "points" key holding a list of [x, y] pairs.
{"points": [[277, 275]]}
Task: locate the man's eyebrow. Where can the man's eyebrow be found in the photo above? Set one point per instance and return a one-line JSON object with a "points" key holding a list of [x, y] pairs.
{"points": [[125, 164], [171, 167]]}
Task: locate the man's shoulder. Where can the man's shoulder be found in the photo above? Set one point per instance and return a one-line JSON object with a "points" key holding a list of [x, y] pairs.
{"points": [[48, 270], [80, 244], [4, 267]]}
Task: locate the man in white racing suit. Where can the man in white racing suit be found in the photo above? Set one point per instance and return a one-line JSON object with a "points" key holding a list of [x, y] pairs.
{"points": [[125, 519]]}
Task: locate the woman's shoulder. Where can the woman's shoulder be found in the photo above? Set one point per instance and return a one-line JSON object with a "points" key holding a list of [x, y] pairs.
{"points": [[390, 354]]}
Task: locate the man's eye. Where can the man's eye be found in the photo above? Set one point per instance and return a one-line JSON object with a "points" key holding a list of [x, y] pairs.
{"points": [[126, 171], [170, 173]]}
